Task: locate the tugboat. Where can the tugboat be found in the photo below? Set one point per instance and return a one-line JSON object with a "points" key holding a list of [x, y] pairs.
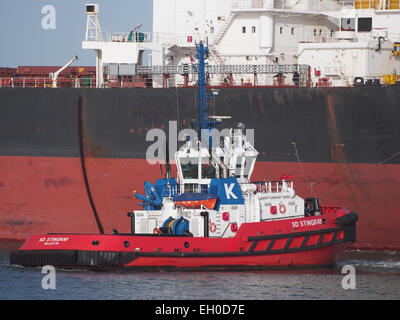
{"points": [[211, 217]]}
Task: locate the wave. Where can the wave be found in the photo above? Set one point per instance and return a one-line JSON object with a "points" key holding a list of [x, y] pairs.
{"points": [[372, 264]]}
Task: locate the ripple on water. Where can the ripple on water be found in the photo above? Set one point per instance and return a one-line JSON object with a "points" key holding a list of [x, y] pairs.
{"points": [[377, 278]]}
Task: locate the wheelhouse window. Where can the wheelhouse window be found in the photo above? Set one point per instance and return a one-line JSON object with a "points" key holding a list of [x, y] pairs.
{"points": [[190, 169], [244, 166], [208, 171]]}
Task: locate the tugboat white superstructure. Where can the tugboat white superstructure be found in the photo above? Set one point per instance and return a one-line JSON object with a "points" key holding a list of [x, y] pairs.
{"points": [[216, 184]]}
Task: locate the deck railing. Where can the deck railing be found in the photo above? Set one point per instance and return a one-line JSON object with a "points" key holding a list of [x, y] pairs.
{"points": [[377, 4], [300, 5], [273, 186], [330, 209], [45, 82], [261, 187], [126, 36], [146, 37], [315, 5]]}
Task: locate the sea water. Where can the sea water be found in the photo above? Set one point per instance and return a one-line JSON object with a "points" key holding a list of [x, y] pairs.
{"points": [[377, 276]]}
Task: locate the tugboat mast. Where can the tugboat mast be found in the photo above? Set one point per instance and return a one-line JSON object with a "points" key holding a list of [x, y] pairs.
{"points": [[204, 123]]}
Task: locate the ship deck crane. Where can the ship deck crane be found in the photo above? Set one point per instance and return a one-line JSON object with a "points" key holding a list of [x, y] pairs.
{"points": [[54, 75]]}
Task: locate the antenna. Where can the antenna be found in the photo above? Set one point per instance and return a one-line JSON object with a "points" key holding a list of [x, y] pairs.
{"points": [[167, 160]]}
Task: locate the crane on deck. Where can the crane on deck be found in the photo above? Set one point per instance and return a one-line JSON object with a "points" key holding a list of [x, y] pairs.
{"points": [[54, 75]]}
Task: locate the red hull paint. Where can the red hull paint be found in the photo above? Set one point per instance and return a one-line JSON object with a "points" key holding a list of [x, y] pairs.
{"points": [[320, 257], [316, 241], [40, 195]]}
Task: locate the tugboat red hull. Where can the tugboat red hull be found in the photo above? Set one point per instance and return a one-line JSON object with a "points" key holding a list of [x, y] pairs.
{"points": [[294, 243]]}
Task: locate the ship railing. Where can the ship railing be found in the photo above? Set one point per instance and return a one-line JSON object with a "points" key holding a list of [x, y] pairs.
{"points": [[354, 4], [144, 37], [330, 209], [333, 5], [251, 4], [216, 80], [188, 40], [261, 187], [149, 81], [368, 36], [395, 37], [262, 4], [171, 190], [300, 5], [377, 4], [224, 75], [256, 80], [222, 69], [45, 82], [131, 36], [273, 186], [320, 36]]}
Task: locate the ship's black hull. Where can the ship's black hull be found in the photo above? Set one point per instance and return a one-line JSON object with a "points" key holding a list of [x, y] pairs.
{"points": [[350, 125]]}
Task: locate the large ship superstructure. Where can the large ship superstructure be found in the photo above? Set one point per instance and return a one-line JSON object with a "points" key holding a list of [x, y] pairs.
{"points": [[258, 42]]}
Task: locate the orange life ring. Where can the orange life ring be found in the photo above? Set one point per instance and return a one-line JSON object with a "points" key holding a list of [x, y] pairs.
{"points": [[282, 208], [213, 227], [157, 231]]}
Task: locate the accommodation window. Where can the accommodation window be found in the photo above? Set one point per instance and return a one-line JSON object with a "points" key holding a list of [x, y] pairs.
{"points": [[253, 29], [281, 30], [292, 31], [212, 30], [315, 32], [364, 24], [348, 24], [243, 29]]}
